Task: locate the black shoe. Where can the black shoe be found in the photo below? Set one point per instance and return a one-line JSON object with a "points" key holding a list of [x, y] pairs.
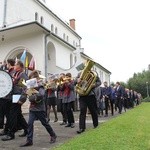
{"points": [[3, 133], [63, 123], [53, 139], [23, 134], [56, 119], [72, 125], [80, 131], [27, 144], [7, 138], [95, 126], [68, 125]]}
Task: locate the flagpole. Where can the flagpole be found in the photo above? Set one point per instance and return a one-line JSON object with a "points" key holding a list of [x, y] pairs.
{"points": [[26, 65]]}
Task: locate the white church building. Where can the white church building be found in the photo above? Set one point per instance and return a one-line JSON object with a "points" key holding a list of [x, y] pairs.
{"points": [[54, 44]]}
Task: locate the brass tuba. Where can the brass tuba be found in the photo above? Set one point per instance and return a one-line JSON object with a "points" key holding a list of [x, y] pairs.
{"points": [[88, 78]]}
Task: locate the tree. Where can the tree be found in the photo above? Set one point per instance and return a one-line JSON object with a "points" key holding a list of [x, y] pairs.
{"points": [[138, 82]]}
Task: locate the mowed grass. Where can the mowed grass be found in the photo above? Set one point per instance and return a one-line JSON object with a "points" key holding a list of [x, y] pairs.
{"points": [[129, 131]]}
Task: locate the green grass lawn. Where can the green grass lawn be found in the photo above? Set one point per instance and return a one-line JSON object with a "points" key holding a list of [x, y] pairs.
{"points": [[129, 131]]}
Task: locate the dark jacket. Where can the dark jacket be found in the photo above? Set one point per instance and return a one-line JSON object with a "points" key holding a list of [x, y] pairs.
{"points": [[119, 92], [106, 91], [37, 102], [17, 86]]}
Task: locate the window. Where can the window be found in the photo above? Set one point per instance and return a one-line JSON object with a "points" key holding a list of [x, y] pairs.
{"points": [[64, 36], [73, 43], [76, 44], [42, 20], [56, 31], [75, 59], [67, 38], [52, 27], [36, 16], [71, 60]]}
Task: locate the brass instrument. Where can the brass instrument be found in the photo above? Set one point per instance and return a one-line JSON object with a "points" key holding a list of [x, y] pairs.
{"points": [[29, 91], [88, 78], [50, 85]]}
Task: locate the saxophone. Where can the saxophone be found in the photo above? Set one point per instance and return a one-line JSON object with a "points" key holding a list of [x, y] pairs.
{"points": [[88, 78]]}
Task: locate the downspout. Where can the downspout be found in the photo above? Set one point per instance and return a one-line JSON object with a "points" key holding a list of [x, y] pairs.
{"points": [[5, 13], [46, 53]]}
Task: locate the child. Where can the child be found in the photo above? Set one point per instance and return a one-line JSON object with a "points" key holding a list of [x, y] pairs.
{"points": [[37, 111]]}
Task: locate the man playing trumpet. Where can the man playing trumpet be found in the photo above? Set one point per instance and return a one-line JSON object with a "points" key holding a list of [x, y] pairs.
{"points": [[51, 98]]}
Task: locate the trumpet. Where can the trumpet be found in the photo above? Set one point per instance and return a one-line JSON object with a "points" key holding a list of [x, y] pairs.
{"points": [[50, 85], [31, 91]]}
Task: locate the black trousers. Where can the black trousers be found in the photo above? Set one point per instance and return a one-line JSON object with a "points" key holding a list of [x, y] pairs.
{"points": [[41, 115], [60, 107], [15, 114], [107, 102], [90, 103], [119, 103], [68, 109], [4, 112]]}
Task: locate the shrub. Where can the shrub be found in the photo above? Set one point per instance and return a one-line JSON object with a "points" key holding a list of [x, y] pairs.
{"points": [[147, 99]]}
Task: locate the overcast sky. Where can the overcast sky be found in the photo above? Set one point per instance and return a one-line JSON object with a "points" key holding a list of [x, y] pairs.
{"points": [[117, 29]]}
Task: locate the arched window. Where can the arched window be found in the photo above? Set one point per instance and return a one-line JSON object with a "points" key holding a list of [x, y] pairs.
{"points": [[36, 16], [52, 28], [56, 31], [42, 20]]}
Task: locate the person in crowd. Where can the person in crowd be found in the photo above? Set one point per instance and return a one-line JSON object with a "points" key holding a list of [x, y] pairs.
{"points": [[113, 97], [4, 66], [51, 99], [5, 102], [126, 98], [68, 99], [100, 102], [15, 109], [88, 101], [119, 93], [60, 105], [106, 93], [132, 98], [37, 111]]}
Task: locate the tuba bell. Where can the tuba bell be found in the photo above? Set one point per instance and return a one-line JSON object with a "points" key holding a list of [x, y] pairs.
{"points": [[88, 78]]}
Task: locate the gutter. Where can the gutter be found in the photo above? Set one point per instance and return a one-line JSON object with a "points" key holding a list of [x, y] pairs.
{"points": [[5, 13], [46, 53]]}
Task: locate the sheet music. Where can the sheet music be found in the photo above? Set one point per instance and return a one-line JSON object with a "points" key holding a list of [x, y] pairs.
{"points": [[16, 98]]}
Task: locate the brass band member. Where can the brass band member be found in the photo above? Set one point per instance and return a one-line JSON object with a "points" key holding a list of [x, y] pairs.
{"points": [[68, 99], [5, 102], [60, 99], [37, 111], [51, 99], [88, 101], [15, 108]]}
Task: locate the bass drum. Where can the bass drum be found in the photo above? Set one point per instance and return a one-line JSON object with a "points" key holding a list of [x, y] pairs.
{"points": [[6, 84]]}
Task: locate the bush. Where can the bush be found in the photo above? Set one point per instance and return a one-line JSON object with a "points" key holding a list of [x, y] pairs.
{"points": [[147, 99]]}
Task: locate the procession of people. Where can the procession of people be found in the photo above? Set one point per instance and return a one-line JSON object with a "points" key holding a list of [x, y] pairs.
{"points": [[59, 93]]}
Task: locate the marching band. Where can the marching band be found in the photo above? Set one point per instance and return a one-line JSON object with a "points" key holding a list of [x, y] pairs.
{"points": [[60, 94]]}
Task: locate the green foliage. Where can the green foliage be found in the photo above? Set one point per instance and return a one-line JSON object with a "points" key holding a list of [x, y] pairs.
{"points": [[129, 131], [147, 99], [138, 82]]}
